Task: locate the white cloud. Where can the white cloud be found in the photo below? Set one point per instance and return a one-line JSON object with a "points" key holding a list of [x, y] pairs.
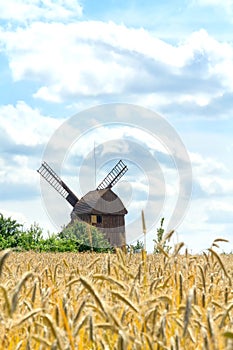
{"points": [[200, 212], [216, 185], [14, 174], [25, 125], [19, 217], [27, 213], [29, 10], [206, 220], [91, 58], [24, 132], [226, 4], [211, 175], [206, 165], [71, 62]]}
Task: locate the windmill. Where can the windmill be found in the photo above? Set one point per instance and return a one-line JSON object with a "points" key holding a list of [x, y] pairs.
{"points": [[101, 207]]}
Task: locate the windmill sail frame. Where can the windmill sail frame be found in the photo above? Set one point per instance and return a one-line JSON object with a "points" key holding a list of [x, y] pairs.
{"points": [[113, 176], [56, 182]]}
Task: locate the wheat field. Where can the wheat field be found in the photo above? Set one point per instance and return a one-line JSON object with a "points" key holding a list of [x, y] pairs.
{"points": [[116, 301]]}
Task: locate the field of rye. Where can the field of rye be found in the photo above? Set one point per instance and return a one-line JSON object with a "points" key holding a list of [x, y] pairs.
{"points": [[116, 301]]}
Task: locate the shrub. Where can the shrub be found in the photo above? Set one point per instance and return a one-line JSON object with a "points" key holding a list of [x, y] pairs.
{"points": [[159, 240], [10, 232], [87, 237]]}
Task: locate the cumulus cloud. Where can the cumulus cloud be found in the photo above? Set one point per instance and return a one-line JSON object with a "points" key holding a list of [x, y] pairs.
{"points": [[18, 178], [28, 10], [207, 165], [198, 230], [226, 4], [24, 132], [19, 217], [216, 186], [96, 59], [209, 105], [80, 62], [23, 125], [220, 212], [211, 177]]}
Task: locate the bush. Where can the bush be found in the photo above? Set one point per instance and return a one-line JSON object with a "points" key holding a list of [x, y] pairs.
{"points": [[55, 244], [76, 237], [159, 242], [10, 232], [87, 237], [137, 248]]}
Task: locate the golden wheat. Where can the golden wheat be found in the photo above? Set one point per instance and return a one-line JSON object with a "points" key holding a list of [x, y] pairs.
{"points": [[116, 301]]}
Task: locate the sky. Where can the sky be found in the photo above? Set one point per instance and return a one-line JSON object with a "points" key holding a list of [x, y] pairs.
{"points": [[175, 59]]}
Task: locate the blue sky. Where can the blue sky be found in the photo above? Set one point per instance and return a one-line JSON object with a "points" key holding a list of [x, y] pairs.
{"points": [[58, 58]]}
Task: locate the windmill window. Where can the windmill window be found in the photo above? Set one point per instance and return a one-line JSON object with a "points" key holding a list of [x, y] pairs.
{"points": [[99, 219], [93, 219]]}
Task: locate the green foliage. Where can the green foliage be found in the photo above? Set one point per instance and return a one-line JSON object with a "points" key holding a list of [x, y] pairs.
{"points": [[87, 237], [77, 237], [137, 247], [31, 238], [55, 244], [159, 240], [10, 232]]}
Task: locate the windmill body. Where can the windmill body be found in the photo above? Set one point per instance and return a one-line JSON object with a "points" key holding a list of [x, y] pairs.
{"points": [[101, 207]]}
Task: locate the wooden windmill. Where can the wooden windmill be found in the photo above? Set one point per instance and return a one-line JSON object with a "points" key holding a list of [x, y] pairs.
{"points": [[101, 207]]}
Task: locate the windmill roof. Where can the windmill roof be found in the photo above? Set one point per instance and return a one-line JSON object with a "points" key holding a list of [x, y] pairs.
{"points": [[103, 201]]}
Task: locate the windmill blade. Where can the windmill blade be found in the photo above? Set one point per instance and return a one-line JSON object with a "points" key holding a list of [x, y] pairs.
{"points": [[56, 182], [114, 176]]}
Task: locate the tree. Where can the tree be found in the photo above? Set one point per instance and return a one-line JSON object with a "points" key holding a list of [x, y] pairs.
{"points": [[159, 241], [31, 238], [137, 247], [10, 232], [87, 237], [75, 237]]}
